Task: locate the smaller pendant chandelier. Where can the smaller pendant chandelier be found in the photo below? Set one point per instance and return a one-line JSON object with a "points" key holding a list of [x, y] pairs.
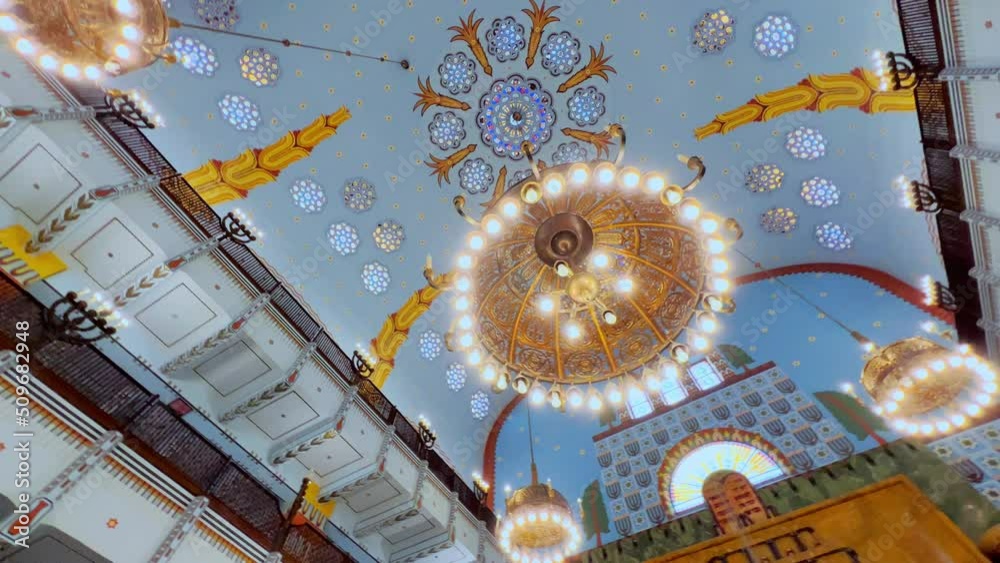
{"points": [[90, 39], [539, 526]]}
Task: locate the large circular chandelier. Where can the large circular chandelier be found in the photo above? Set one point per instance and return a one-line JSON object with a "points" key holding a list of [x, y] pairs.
{"points": [[539, 526], [590, 273], [924, 388], [89, 39]]}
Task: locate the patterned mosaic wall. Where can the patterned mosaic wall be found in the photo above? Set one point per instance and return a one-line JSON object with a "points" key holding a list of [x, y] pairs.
{"points": [[975, 454], [769, 405]]}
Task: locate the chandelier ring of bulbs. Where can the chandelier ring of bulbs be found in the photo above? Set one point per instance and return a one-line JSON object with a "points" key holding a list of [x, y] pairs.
{"points": [[679, 260]]}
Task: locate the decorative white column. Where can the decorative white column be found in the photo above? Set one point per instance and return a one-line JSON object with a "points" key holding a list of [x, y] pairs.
{"points": [[164, 270], [182, 528], [232, 329], [275, 391], [991, 327], [969, 73], [47, 498], [273, 557], [984, 275], [327, 432], [976, 154], [48, 233]]}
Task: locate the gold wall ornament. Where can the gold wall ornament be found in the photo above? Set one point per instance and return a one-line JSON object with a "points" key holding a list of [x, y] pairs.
{"points": [[396, 328], [221, 181], [924, 388], [585, 274], [89, 39]]}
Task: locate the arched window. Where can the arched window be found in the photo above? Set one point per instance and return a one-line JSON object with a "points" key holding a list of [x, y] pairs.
{"points": [[705, 375], [693, 469], [672, 390], [638, 403]]}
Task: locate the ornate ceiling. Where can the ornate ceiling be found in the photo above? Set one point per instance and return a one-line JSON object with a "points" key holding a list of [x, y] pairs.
{"points": [[800, 146]]}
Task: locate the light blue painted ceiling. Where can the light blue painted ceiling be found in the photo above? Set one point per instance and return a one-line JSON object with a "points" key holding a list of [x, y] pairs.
{"points": [[661, 90]]}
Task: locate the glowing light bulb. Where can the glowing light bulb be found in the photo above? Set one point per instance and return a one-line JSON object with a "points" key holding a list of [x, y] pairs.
{"points": [[958, 420], [673, 195], [614, 393], [709, 225], [465, 323], [24, 46], [699, 342], [489, 372], [955, 361], [690, 210], [707, 322], [573, 331], [897, 395], [555, 399], [554, 184], [972, 410], [131, 33], [983, 399], [927, 428], [125, 7], [493, 225], [70, 71], [7, 23], [537, 397], [655, 182], [48, 62], [601, 260], [502, 382], [511, 209], [563, 270], [670, 371], [680, 353], [477, 241], [466, 340], [575, 397], [462, 303], [465, 261], [93, 73], [921, 374], [546, 304], [531, 194], [630, 178], [605, 173], [463, 284], [891, 407], [624, 285], [610, 317], [122, 51], [715, 246], [720, 284], [475, 357], [579, 173], [937, 365], [719, 265], [594, 402], [943, 426]]}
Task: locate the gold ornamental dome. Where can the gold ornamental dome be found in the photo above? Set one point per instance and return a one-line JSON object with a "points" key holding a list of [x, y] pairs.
{"points": [[925, 388], [589, 272], [88, 38]]}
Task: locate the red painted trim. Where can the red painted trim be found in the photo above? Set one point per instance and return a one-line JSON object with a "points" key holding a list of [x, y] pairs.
{"points": [[884, 280], [490, 449], [693, 396]]}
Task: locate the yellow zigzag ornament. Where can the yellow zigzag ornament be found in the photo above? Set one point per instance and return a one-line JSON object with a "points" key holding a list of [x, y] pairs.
{"points": [[819, 92], [218, 182], [396, 328]]}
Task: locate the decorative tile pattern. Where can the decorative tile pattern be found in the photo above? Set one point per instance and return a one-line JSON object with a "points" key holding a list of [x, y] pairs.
{"points": [[389, 235], [308, 195], [569, 152], [447, 130], [476, 176], [779, 220], [820, 192], [195, 56], [431, 344], [240, 112], [764, 178], [458, 73], [834, 237], [217, 14], [375, 277], [505, 39], [768, 405], [455, 376], [775, 37], [359, 194], [586, 106], [560, 53], [344, 238], [805, 143], [479, 405], [514, 111], [714, 32], [975, 454], [259, 67]]}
